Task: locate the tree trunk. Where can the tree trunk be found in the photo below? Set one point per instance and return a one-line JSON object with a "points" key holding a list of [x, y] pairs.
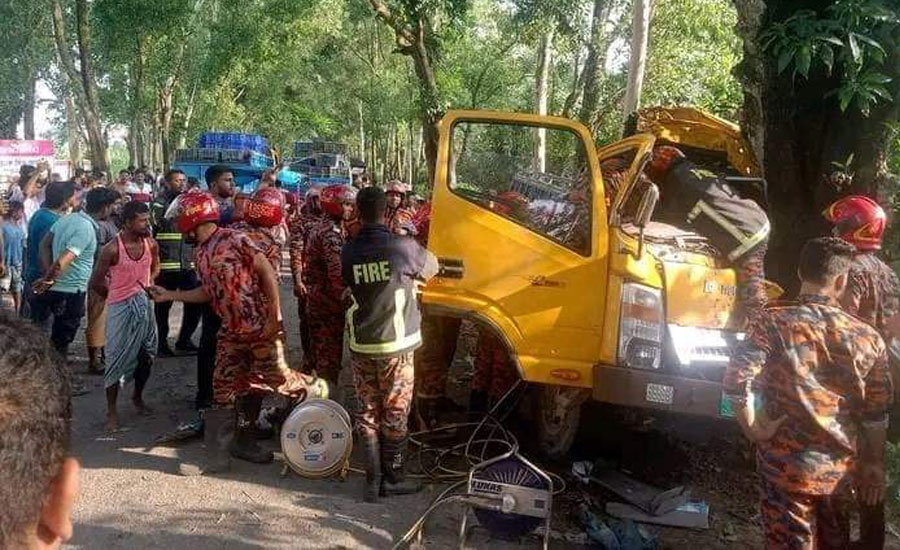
{"points": [[412, 41], [28, 115], [81, 82], [577, 86], [432, 111], [802, 135], [166, 110], [362, 132], [637, 64], [92, 113], [73, 138], [595, 65], [188, 115], [541, 94]]}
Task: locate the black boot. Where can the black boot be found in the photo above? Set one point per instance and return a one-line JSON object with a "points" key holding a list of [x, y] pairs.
{"points": [[218, 429], [244, 445], [372, 452], [393, 465]]}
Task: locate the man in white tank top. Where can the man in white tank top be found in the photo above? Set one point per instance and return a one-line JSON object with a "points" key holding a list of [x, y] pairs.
{"points": [[127, 266]]}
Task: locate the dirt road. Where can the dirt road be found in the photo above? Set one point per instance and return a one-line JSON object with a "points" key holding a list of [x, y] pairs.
{"points": [[133, 497]]}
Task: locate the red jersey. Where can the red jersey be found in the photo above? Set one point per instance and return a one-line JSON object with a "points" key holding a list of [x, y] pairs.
{"points": [[300, 227], [873, 291], [322, 266], [266, 239], [225, 265]]}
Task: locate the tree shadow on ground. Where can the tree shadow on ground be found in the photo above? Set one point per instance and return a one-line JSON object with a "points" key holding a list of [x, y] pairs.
{"points": [[232, 528]]}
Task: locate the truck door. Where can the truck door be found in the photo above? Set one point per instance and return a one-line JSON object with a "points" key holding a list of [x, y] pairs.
{"points": [[519, 226]]}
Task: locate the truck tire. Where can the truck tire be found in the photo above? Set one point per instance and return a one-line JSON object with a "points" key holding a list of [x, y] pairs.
{"points": [[558, 414]]}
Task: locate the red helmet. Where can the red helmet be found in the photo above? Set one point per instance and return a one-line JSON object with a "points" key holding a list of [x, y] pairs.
{"points": [[265, 207], [858, 220], [664, 158], [191, 209], [334, 196], [396, 186]]}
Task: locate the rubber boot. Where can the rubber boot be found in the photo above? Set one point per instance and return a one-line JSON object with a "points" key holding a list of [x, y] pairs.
{"points": [[218, 429], [244, 445], [393, 466], [372, 452]]}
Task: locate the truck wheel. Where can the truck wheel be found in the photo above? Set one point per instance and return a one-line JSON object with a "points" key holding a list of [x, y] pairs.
{"points": [[558, 413]]}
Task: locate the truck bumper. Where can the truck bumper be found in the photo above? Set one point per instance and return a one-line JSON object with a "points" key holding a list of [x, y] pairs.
{"points": [[647, 389]]}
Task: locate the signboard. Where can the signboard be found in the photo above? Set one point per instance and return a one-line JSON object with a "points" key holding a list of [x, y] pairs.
{"points": [[16, 152], [27, 148]]}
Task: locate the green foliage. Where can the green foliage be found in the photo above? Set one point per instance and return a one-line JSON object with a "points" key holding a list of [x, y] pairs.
{"points": [[28, 51], [693, 52], [849, 38]]}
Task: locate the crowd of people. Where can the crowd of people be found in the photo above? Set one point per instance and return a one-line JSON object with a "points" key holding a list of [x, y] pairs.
{"points": [[810, 384]]}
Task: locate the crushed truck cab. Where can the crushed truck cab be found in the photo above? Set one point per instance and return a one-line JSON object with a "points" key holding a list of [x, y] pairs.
{"points": [[555, 245]]}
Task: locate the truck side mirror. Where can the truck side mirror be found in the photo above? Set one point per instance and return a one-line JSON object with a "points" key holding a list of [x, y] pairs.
{"points": [[645, 212]]}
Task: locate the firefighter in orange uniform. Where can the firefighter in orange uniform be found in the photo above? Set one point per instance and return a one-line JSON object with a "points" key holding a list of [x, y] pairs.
{"points": [[323, 281]]}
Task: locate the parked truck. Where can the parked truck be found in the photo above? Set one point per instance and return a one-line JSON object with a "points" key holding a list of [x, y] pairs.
{"points": [[592, 296]]}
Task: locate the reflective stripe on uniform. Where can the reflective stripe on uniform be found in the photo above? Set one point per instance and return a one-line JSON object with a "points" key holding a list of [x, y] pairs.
{"points": [[169, 266], [400, 343], [747, 242], [168, 236]]}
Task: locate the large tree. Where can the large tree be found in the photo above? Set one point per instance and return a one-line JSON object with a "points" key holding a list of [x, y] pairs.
{"points": [[82, 77], [819, 80]]}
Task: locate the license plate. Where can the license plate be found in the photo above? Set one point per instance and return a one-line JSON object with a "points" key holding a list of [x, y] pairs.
{"points": [[725, 407], [660, 393]]}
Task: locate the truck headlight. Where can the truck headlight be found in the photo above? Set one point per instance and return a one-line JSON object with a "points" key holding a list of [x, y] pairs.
{"points": [[641, 327]]}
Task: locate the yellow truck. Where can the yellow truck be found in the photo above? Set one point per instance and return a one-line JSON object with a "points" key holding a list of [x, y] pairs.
{"points": [[556, 246]]}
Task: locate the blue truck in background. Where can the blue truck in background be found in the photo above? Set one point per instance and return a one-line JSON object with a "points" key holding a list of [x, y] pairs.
{"points": [[248, 155]]}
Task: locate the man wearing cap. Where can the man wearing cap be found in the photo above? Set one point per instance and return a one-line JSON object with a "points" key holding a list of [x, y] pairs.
{"points": [[398, 218], [241, 286], [176, 267], [301, 224], [873, 295], [324, 283]]}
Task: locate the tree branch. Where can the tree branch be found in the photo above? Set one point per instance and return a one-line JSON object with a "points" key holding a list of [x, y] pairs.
{"points": [[383, 12]]}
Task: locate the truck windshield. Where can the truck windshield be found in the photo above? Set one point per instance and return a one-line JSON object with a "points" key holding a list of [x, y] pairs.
{"points": [[536, 177]]}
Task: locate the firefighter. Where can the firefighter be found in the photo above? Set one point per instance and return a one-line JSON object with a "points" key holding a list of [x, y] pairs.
{"points": [[398, 217], [382, 271], [176, 268], [495, 373], [240, 284], [308, 216], [738, 227], [873, 295], [810, 386], [324, 285], [261, 217]]}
